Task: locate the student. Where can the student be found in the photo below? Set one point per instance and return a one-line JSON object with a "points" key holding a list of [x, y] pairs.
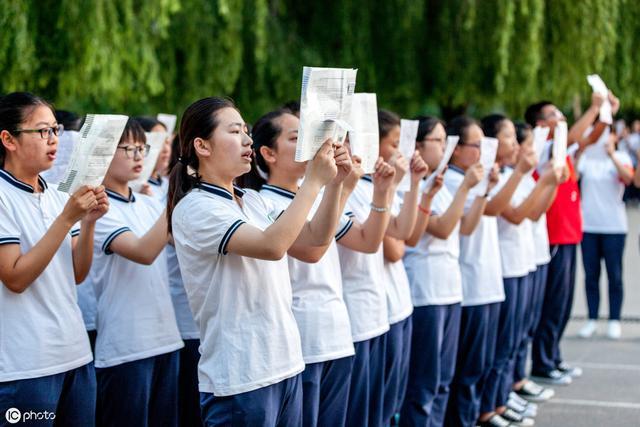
{"points": [[481, 272], [318, 306], [525, 389], [604, 173], [138, 340], [238, 282], [46, 362], [564, 226], [434, 276], [364, 289], [517, 250], [399, 305], [158, 181]]}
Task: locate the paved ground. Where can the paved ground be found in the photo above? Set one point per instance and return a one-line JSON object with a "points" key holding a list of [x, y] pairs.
{"points": [[609, 392]]}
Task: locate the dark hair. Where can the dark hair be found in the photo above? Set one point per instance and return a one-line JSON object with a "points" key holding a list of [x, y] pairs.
{"points": [[198, 121], [522, 131], [492, 124], [387, 120], [148, 122], [70, 121], [293, 106], [534, 112], [459, 126], [426, 125], [15, 108], [265, 133], [132, 130]]}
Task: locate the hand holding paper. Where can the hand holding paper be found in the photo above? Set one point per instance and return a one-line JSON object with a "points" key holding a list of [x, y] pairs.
{"points": [[488, 151], [325, 104], [93, 152], [598, 86], [452, 142], [559, 149]]}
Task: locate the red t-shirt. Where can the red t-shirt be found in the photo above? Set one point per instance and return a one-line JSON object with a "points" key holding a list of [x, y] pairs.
{"points": [[564, 217]]}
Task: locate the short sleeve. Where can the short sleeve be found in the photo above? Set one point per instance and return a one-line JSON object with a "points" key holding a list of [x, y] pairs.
{"points": [[440, 202], [206, 226], [344, 225], [502, 180], [273, 210], [9, 230], [110, 226], [624, 158]]}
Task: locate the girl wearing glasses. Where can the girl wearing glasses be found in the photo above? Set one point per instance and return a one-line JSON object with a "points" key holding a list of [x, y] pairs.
{"points": [[234, 242], [434, 276], [138, 339], [45, 357]]}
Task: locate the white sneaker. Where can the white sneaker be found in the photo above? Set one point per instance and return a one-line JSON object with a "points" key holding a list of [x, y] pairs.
{"points": [[614, 331], [588, 329]]}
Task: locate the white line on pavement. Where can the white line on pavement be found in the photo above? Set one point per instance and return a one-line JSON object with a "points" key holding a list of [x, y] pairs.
{"points": [[612, 366], [581, 402]]}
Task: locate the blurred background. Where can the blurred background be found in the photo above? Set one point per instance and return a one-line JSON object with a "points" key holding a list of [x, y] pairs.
{"points": [[420, 56]]}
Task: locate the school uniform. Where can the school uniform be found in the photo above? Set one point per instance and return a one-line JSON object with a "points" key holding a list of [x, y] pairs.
{"points": [[564, 226], [251, 354], [517, 254], [188, 396], [323, 321], [45, 357], [398, 349], [365, 296], [88, 308], [482, 289], [605, 224], [436, 290], [137, 346]]}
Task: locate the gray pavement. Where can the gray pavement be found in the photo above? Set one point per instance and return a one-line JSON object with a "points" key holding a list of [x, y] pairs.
{"points": [[608, 394]]}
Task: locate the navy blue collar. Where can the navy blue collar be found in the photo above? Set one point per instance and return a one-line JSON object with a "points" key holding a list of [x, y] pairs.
{"points": [[367, 178], [7, 176], [219, 191], [120, 197], [279, 190], [155, 181], [455, 168]]}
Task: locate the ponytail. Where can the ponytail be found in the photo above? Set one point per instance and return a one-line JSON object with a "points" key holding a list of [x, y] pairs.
{"points": [[198, 121]]}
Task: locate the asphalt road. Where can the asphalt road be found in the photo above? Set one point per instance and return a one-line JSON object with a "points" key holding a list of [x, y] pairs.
{"points": [[608, 394]]}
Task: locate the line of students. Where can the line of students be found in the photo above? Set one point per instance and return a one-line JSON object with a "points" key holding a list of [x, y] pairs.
{"points": [[298, 294]]}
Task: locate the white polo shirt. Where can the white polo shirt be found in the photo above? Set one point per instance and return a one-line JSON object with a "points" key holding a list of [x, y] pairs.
{"points": [[541, 240], [249, 337], [318, 306], [603, 210], [87, 302], [135, 316], [41, 329], [432, 265], [480, 265], [517, 249], [160, 187], [396, 281], [363, 275]]}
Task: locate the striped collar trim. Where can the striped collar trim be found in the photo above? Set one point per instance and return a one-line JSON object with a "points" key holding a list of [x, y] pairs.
{"points": [[219, 191], [279, 190], [155, 181], [367, 178], [7, 176], [120, 197], [456, 169]]}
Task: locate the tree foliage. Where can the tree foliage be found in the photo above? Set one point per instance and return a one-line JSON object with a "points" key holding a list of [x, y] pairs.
{"points": [[147, 56]]}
